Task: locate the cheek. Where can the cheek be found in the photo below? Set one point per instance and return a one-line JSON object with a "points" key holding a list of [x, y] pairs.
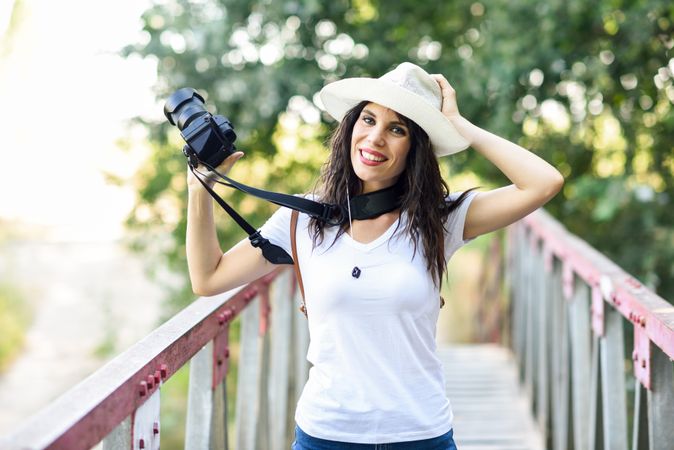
{"points": [[400, 167], [401, 159]]}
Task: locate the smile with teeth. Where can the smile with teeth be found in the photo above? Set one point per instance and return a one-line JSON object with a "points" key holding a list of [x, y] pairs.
{"points": [[371, 157]]}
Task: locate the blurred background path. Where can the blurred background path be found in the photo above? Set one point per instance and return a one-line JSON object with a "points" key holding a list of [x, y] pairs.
{"points": [[67, 96], [90, 301]]}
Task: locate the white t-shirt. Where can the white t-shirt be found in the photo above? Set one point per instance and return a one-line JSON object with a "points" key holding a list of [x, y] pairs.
{"points": [[375, 376]]}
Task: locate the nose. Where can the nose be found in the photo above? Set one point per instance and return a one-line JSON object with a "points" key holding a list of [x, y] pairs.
{"points": [[376, 136]]}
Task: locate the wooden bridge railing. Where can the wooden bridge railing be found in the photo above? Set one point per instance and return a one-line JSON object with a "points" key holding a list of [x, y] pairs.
{"points": [[119, 403], [570, 306]]}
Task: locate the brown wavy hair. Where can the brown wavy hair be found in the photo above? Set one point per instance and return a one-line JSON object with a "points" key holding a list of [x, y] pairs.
{"points": [[424, 200]]}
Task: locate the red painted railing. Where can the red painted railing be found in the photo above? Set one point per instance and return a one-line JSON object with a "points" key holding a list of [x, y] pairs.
{"points": [[569, 307], [119, 403]]}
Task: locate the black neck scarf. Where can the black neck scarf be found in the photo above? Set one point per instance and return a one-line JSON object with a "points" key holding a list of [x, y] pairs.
{"points": [[374, 204]]}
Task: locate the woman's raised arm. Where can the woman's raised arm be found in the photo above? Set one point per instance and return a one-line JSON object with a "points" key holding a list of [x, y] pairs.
{"points": [[535, 181], [211, 271]]}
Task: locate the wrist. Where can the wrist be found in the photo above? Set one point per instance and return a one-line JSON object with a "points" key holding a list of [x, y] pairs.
{"points": [[465, 128], [197, 190]]}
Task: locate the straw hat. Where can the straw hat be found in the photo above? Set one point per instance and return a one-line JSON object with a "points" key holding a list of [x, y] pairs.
{"points": [[409, 90]]}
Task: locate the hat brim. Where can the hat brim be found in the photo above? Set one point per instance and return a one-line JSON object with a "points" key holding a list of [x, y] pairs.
{"points": [[340, 96]]}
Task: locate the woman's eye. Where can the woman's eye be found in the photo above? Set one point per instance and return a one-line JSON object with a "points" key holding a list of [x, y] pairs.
{"points": [[398, 130], [368, 120]]}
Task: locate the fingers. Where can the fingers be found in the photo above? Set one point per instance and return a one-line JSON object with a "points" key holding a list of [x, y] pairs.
{"points": [[449, 107], [225, 166], [210, 176], [445, 87], [229, 162]]}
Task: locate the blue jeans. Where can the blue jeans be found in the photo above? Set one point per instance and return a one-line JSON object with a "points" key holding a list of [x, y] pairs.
{"points": [[305, 442]]}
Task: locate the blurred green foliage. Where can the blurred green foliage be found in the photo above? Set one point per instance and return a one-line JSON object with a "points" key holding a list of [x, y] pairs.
{"points": [[586, 85]]}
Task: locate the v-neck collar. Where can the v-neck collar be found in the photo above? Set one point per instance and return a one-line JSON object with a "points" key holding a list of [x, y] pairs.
{"points": [[376, 242]]}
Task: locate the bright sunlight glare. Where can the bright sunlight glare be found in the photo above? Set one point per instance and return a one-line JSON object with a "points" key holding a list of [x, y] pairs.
{"points": [[65, 98]]}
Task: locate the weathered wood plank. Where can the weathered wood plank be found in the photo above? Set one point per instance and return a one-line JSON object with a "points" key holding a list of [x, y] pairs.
{"points": [[529, 305], [491, 411], [560, 361], [545, 288], [120, 437], [614, 402], [262, 426], [146, 424], [519, 300], [579, 324], [281, 309], [248, 382], [595, 414], [205, 426], [640, 421], [661, 402]]}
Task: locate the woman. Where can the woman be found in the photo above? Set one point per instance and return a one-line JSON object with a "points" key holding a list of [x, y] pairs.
{"points": [[372, 285]]}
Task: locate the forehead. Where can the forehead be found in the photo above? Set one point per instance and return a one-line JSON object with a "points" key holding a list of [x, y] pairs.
{"points": [[382, 111]]}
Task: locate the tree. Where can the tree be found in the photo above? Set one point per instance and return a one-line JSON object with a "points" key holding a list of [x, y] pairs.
{"points": [[588, 86]]}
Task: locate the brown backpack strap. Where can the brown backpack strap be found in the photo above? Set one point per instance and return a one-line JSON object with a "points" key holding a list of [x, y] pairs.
{"points": [[296, 263]]}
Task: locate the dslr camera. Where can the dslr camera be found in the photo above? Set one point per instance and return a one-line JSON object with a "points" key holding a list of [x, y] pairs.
{"points": [[210, 139]]}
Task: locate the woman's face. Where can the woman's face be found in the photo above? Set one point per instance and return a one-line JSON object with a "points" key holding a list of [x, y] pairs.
{"points": [[380, 142]]}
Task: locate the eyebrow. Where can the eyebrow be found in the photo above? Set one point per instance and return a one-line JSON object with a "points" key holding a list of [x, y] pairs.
{"points": [[395, 122]]}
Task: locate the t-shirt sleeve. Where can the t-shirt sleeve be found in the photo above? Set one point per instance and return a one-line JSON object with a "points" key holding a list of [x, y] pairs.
{"points": [[277, 229], [455, 224]]}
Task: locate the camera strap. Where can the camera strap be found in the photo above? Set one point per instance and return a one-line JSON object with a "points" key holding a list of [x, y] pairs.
{"points": [[363, 206], [328, 213], [374, 204], [272, 253]]}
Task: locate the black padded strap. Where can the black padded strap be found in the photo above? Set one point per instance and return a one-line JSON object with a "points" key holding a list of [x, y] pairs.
{"points": [[272, 253], [374, 204], [330, 214]]}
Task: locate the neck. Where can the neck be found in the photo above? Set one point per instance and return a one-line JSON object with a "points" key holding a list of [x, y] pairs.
{"points": [[375, 203]]}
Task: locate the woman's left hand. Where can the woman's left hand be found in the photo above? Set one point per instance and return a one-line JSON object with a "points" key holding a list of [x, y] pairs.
{"points": [[451, 110], [449, 107]]}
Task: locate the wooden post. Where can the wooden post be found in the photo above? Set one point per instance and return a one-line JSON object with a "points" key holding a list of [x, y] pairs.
{"points": [[120, 437], [298, 367], [247, 392], [206, 423], [661, 402], [529, 338], [614, 404], [519, 301], [543, 332], [262, 426], [560, 369], [281, 309], [579, 322], [640, 422], [595, 413], [146, 424]]}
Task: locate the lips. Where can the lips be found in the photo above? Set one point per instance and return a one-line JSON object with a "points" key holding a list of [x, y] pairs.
{"points": [[370, 157]]}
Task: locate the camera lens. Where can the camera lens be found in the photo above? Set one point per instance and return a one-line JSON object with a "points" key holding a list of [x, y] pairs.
{"points": [[183, 106]]}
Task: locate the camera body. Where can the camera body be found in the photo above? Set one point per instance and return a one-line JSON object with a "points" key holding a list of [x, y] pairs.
{"points": [[210, 139]]}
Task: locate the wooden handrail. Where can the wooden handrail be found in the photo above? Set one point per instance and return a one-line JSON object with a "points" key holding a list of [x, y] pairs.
{"points": [[109, 403], [616, 287], [569, 305]]}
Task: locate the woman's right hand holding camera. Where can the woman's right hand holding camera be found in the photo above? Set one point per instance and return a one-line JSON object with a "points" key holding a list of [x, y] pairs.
{"points": [[211, 271], [209, 176]]}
